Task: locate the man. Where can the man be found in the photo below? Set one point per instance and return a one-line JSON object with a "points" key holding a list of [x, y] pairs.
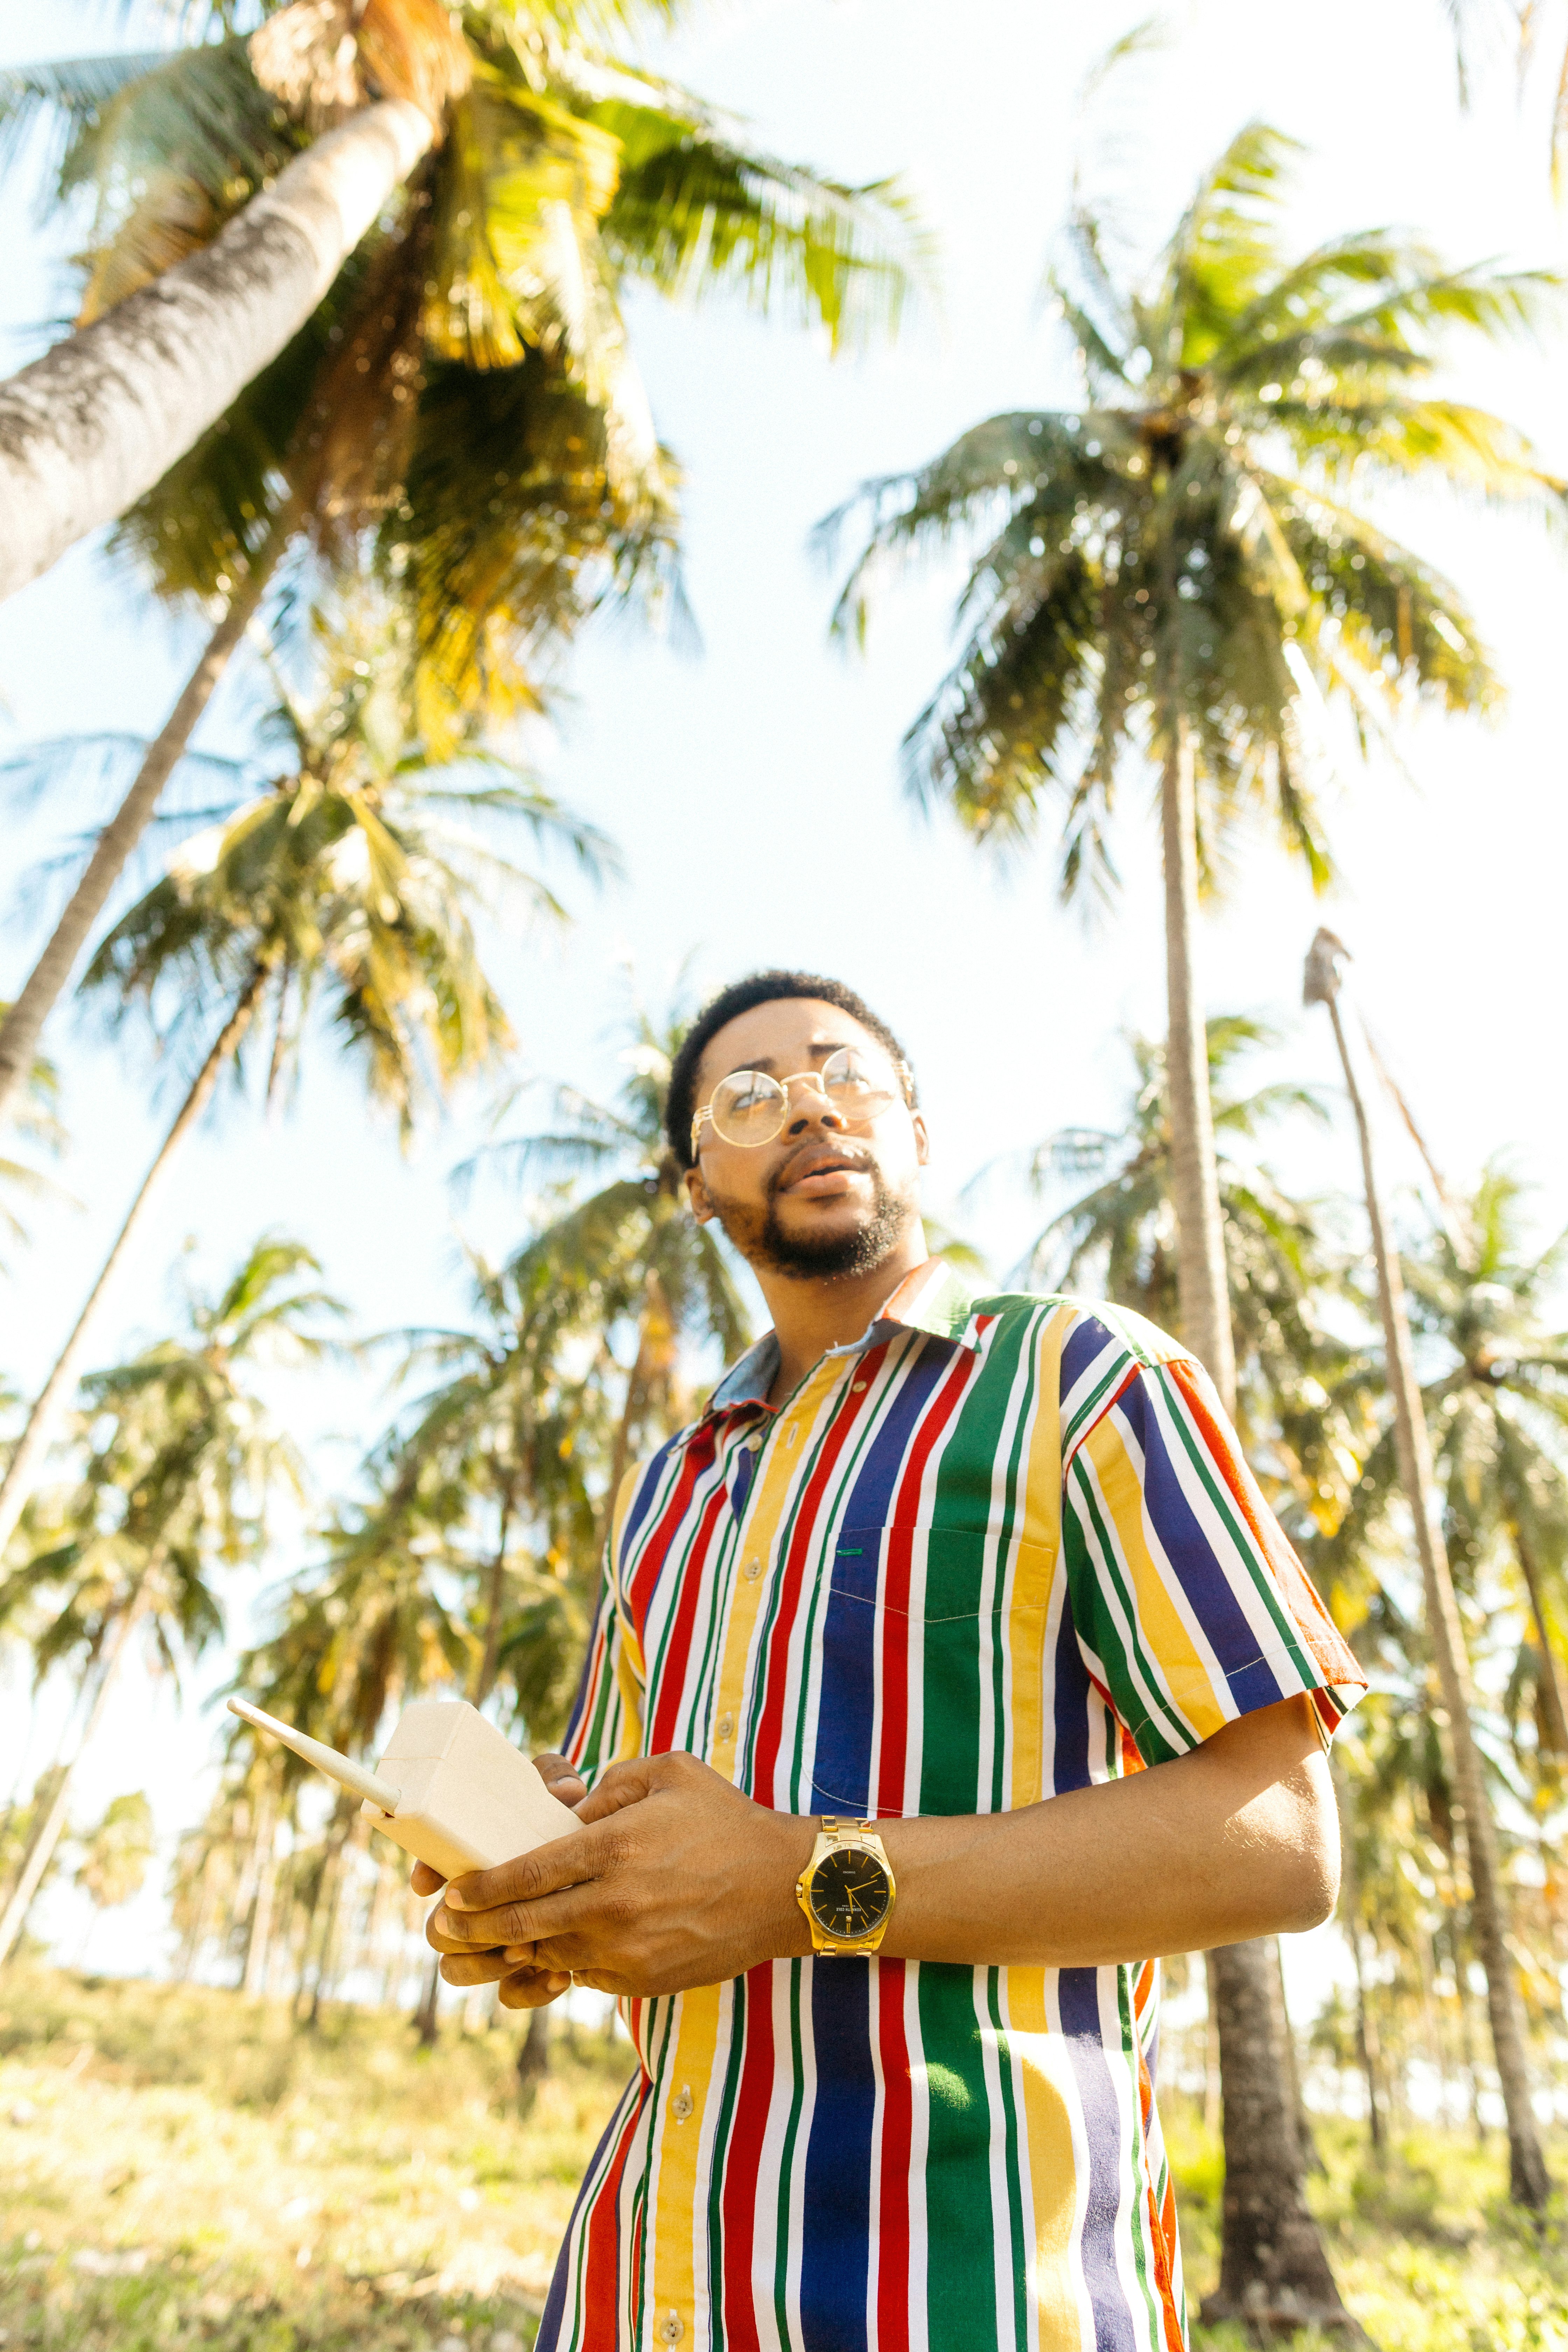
{"points": [[950, 1669]]}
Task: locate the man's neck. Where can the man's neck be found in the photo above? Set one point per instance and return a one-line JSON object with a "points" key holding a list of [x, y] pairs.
{"points": [[809, 1318]]}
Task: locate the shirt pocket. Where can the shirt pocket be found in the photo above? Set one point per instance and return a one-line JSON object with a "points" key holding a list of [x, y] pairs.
{"points": [[924, 1634]]}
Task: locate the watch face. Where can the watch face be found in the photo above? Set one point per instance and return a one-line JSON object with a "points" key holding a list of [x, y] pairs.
{"points": [[848, 1892]]}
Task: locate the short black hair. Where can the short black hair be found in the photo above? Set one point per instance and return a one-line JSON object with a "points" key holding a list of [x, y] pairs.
{"points": [[742, 996]]}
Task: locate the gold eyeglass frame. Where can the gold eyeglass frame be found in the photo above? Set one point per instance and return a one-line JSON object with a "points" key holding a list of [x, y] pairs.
{"points": [[815, 1078]]}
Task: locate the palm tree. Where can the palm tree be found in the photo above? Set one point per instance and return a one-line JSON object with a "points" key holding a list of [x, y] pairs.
{"points": [[466, 384], [1174, 571], [353, 876], [1496, 1415], [1305, 1395], [1482, 22], [117, 1852], [512, 1434], [651, 1267], [1177, 570], [180, 1461], [209, 274], [1529, 2183], [37, 1122], [375, 1624]]}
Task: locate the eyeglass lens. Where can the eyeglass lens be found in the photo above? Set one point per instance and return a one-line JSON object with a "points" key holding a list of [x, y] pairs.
{"points": [[749, 1108]]}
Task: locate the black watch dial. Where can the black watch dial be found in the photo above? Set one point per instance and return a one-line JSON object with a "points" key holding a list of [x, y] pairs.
{"points": [[849, 1893]]}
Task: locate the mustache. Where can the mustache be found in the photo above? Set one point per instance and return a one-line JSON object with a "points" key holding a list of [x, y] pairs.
{"points": [[851, 1156]]}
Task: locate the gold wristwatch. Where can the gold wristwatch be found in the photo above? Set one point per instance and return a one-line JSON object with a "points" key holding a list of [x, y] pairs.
{"points": [[846, 1888]]}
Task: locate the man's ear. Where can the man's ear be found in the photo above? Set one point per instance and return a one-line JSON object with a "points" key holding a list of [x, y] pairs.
{"points": [[922, 1140], [702, 1208]]}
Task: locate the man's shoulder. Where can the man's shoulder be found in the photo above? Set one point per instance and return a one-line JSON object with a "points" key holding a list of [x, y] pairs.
{"points": [[1082, 1328]]}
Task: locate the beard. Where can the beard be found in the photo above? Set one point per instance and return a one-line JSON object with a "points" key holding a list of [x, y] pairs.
{"points": [[821, 1257]]}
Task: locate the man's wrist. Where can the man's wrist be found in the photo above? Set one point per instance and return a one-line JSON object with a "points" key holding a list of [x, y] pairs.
{"points": [[790, 1934]]}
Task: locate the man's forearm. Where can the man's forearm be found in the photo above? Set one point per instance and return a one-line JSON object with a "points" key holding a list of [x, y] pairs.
{"points": [[680, 1880], [1236, 1840]]}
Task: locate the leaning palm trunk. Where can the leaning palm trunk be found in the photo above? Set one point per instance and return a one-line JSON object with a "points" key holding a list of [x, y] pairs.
{"points": [[26, 1462], [20, 1029], [1529, 2184], [1551, 1707], [97, 421], [45, 1837], [1272, 2261]]}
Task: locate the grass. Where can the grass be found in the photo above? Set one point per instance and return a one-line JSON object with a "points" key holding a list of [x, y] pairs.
{"points": [[180, 2168], [1428, 2255]]}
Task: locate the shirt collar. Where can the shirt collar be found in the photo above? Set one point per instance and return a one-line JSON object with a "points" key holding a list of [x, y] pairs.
{"points": [[933, 1299]]}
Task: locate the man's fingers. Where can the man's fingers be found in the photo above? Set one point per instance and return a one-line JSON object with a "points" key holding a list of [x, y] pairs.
{"points": [[563, 1780], [563, 1862], [509, 1924], [532, 1988], [622, 1785], [475, 1967], [437, 1939], [423, 1880]]}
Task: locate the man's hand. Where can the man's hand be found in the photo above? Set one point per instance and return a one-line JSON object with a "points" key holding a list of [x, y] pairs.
{"points": [[678, 1880], [521, 1986], [675, 1880]]}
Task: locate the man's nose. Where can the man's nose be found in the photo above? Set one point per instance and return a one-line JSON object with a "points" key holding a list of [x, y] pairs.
{"points": [[808, 1109]]}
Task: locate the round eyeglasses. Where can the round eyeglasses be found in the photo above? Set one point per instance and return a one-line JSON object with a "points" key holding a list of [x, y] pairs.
{"points": [[749, 1108]]}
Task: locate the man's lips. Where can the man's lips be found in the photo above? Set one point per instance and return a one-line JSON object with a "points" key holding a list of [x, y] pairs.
{"points": [[823, 1174]]}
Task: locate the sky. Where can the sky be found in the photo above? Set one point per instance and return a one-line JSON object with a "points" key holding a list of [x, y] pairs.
{"points": [[753, 786]]}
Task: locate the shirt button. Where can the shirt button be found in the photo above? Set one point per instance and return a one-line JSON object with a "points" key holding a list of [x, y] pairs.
{"points": [[680, 2108], [672, 2328], [858, 1386], [726, 1727], [752, 1570]]}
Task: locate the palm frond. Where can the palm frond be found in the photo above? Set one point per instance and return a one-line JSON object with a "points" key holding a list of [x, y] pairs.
{"points": [[70, 94], [695, 213], [168, 157]]}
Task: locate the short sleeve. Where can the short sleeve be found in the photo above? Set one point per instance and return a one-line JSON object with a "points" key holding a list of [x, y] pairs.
{"points": [[1191, 1607], [607, 1718]]}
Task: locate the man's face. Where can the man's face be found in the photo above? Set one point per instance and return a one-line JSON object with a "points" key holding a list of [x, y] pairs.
{"points": [[826, 1197]]}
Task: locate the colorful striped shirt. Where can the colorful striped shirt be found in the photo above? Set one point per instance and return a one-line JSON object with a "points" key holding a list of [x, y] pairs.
{"points": [[999, 1549]]}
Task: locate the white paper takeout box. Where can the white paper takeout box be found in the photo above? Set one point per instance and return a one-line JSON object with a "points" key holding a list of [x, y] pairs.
{"points": [[450, 1789]]}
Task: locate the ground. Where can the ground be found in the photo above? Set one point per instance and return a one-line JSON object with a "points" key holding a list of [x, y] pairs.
{"points": [[180, 2168]]}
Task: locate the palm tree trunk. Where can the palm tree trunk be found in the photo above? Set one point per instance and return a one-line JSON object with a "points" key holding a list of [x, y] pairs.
{"points": [[22, 1471], [485, 1671], [532, 2059], [20, 1030], [1350, 1919], [1307, 2145], [196, 1934], [258, 1937], [374, 1935], [97, 421], [1274, 2271], [336, 1871], [1204, 1289], [1272, 2256], [1550, 1681], [426, 2017], [1529, 2184], [46, 1833], [656, 1307]]}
